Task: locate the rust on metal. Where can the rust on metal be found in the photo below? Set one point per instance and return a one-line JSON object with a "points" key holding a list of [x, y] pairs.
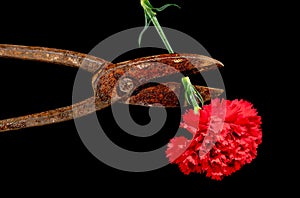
{"points": [[112, 82]]}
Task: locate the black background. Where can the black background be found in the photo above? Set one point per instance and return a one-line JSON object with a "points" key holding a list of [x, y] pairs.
{"points": [[53, 158]]}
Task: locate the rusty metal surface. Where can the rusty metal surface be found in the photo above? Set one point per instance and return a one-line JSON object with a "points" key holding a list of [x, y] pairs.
{"points": [[112, 82]]}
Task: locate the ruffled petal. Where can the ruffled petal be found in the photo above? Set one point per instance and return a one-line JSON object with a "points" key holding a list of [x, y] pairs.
{"points": [[225, 151]]}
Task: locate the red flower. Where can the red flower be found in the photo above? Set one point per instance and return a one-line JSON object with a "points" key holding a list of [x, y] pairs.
{"points": [[226, 135]]}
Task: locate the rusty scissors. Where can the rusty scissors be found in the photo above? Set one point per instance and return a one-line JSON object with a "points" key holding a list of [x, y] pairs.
{"points": [[112, 82]]}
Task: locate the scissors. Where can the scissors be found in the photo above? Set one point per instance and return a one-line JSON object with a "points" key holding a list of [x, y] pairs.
{"points": [[123, 82]]}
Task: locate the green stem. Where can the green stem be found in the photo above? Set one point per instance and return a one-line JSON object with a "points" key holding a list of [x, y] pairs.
{"points": [[150, 14], [192, 96], [161, 34]]}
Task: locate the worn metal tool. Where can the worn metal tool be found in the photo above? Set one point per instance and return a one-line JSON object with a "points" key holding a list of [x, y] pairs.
{"points": [[121, 82]]}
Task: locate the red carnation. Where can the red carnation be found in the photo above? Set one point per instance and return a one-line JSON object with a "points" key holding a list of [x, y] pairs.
{"points": [[226, 135]]}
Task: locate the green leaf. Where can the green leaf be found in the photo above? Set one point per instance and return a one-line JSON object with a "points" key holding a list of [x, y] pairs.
{"points": [[166, 6], [146, 4], [191, 94], [150, 16], [147, 23], [198, 95]]}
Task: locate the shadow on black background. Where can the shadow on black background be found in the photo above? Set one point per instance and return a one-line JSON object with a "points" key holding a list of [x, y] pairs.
{"points": [[53, 158]]}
